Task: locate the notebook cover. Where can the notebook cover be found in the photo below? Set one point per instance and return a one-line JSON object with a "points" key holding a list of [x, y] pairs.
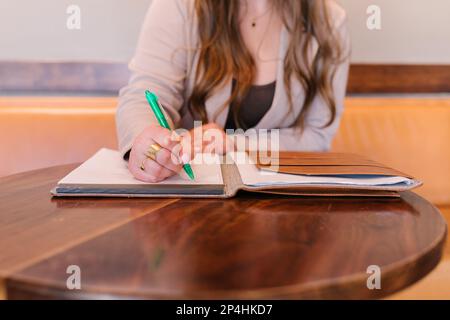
{"points": [[321, 163]]}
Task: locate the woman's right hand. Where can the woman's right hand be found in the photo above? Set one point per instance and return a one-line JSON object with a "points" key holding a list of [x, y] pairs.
{"points": [[168, 160], [176, 150]]}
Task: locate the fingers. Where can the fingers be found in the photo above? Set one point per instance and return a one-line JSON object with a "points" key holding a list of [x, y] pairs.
{"points": [[134, 165], [153, 168], [165, 138], [169, 160], [171, 155], [212, 140], [188, 150], [206, 139], [153, 172]]}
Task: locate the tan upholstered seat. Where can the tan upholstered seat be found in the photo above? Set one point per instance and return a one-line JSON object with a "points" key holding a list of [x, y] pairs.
{"points": [[410, 134], [37, 132]]}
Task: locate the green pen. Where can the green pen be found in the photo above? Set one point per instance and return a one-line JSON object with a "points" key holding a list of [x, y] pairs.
{"points": [[156, 107]]}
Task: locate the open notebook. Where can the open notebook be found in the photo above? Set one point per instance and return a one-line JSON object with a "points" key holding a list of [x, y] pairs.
{"points": [[319, 174]]}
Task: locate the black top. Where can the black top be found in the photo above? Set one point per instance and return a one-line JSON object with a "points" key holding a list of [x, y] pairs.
{"points": [[254, 106]]}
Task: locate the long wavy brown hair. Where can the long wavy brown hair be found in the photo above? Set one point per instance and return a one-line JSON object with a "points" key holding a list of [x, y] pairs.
{"points": [[223, 54]]}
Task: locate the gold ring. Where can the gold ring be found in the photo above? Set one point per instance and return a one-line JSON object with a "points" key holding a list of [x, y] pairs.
{"points": [[142, 164], [152, 151]]}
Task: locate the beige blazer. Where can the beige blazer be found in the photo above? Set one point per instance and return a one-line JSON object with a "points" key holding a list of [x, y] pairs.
{"points": [[165, 61]]}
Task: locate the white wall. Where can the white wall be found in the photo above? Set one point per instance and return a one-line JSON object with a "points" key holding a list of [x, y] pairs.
{"points": [[36, 29], [413, 31]]}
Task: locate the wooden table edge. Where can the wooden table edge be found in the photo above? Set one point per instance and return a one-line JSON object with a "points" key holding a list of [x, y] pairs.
{"points": [[314, 290], [5, 275], [416, 266]]}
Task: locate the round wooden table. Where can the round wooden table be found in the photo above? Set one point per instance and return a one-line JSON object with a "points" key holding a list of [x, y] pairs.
{"points": [[252, 246]]}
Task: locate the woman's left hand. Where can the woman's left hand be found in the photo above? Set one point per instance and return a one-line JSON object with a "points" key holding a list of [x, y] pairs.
{"points": [[210, 138]]}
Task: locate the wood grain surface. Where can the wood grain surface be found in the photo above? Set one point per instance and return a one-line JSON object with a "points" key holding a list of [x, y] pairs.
{"points": [[252, 246], [436, 285], [398, 78], [2, 290], [34, 226]]}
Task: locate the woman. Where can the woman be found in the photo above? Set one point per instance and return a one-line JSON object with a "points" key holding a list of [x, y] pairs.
{"points": [[263, 64]]}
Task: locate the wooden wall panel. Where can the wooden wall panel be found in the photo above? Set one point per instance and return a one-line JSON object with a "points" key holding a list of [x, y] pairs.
{"points": [[375, 79], [62, 78], [107, 78]]}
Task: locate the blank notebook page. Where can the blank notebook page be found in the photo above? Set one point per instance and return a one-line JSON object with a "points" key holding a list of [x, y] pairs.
{"points": [[252, 176], [107, 167]]}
